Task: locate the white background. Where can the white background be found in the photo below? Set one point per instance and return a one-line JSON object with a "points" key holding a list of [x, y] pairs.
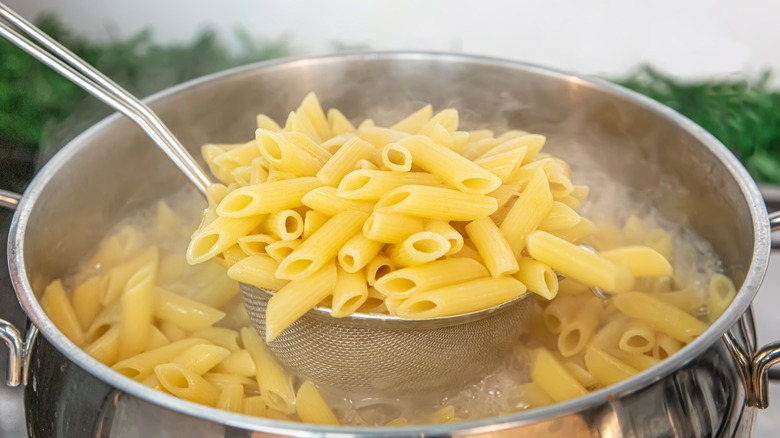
{"points": [[685, 37], [691, 38]]}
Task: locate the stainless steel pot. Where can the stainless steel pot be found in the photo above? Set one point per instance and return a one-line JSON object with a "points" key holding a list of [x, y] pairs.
{"points": [[711, 387]]}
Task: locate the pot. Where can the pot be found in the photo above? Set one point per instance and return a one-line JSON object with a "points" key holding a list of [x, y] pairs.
{"points": [[712, 387]]}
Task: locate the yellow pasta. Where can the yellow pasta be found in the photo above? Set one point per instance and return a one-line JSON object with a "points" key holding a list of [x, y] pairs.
{"points": [[415, 121], [452, 168], [276, 386], [255, 406], [219, 235], [640, 260], [56, 304], [396, 158], [537, 277], [140, 366], [105, 348], [419, 248], [447, 231], [255, 244], [311, 407], [560, 217], [358, 251], [284, 224], [406, 281], [239, 363], [720, 294], [370, 185], [257, 271], [465, 297], [531, 207], [639, 362], [183, 312], [665, 346], [436, 203], [266, 197], [605, 368], [311, 109], [282, 248], [286, 155], [231, 398], [391, 227], [186, 385], [503, 164], [378, 267], [200, 358], [579, 328], [660, 315], [339, 124], [637, 338], [297, 297], [553, 378], [492, 247], [578, 263], [324, 200], [221, 336], [137, 304], [349, 292], [265, 122], [344, 161], [86, 300], [379, 136], [322, 247]]}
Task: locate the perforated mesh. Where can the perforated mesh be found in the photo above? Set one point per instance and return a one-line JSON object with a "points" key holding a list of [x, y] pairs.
{"points": [[391, 361]]}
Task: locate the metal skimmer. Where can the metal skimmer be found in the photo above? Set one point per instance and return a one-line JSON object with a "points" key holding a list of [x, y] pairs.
{"points": [[387, 355]]}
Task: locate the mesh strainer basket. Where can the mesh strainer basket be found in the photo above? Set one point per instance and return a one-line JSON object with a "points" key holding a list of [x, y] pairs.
{"points": [[387, 355]]}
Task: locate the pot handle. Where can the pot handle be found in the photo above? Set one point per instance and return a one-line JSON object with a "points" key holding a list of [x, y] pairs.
{"points": [[19, 346], [755, 370]]}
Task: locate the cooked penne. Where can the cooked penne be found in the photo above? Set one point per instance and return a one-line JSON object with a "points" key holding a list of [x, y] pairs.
{"points": [[311, 407], [358, 251], [57, 305], [137, 307], [184, 312], [663, 317], [414, 122], [525, 215], [276, 386], [638, 338], [200, 358], [452, 168], [396, 158], [221, 336], [349, 292], [406, 281], [419, 248], [324, 200], [560, 217], [311, 109], [537, 277], [370, 185], [339, 124], [255, 244], [86, 300], [282, 248], [186, 385], [605, 368], [297, 297], [106, 347], [493, 247], [266, 197], [142, 365], [391, 227], [578, 263], [239, 363], [378, 267], [578, 329], [219, 235], [639, 362], [665, 346], [642, 261], [503, 164], [231, 398], [436, 203], [344, 161], [257, 271], [553, 378], [285, 225], [720, 294], [448, 232], [465, 297], [322, 247], [287, 155], [379, 136], [255, 406]]}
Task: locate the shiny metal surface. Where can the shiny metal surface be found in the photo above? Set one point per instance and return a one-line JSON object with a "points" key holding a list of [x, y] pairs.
{"points": [[378, 355], [9, 200], [697, 392], [32, 40]]}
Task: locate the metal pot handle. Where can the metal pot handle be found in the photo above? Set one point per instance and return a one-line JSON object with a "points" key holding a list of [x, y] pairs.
{"points": [[755, 370], [19, 346]]}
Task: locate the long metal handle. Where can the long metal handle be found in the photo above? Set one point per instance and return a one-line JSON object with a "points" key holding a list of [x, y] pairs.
{"points": [[18, 346], [32, 40]]}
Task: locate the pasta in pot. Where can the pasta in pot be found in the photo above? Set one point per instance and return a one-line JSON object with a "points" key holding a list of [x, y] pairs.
{"points": [[418, 220]]}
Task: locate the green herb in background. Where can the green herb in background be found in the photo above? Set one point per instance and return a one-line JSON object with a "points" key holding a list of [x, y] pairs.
{"points": [[33, 97], [742, 113]]}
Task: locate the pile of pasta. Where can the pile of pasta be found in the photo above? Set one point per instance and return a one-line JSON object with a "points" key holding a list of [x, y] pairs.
{"points": [[140, 309], [587, 343], [419, 219]]}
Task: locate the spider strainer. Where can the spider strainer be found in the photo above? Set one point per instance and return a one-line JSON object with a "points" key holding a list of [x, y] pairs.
{"points": [[389, 356]]}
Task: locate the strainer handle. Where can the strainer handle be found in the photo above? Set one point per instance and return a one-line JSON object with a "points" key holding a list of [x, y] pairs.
{"points": [[19, 346], [40, 46]]}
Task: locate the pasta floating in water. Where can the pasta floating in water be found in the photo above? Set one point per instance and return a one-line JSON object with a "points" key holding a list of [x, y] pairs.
{"points": [[419, 220]]}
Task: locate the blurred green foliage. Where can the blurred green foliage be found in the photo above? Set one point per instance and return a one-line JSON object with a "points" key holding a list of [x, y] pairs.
{"points": [[32, 96], [743, 113]]}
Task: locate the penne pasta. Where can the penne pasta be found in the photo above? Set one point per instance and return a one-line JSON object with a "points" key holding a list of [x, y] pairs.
{"points": [[276, 386], [663, 317], [406, 281], [465, 297], [311, 407], [493, 247], [436, 203]]}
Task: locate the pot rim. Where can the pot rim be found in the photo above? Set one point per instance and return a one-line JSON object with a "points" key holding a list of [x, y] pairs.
{"points": [[745, 295]]}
